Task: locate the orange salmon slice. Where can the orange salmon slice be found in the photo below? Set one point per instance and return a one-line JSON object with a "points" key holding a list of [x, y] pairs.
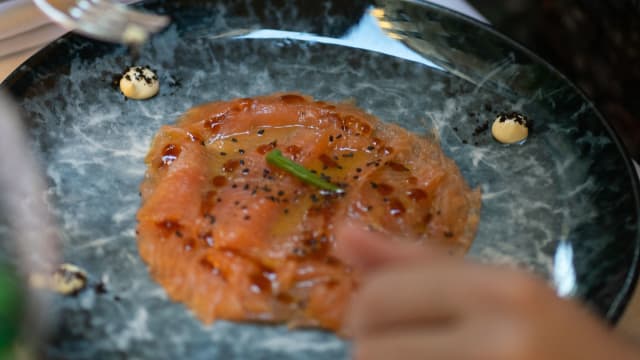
{"points": [[236, 238]]}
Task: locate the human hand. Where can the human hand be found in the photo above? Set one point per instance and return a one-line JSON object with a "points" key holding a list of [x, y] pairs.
{"points": [[418, 305]]}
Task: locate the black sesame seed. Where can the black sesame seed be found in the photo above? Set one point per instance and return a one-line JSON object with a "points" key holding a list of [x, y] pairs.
{"points": [[241, 151], [261, 131], [330, 138], [234, 140], [222, 153], [101, 288], [245, 171], [481, 128]]}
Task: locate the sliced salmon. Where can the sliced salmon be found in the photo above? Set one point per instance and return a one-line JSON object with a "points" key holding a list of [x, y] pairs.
{"points": [[236, 238]]}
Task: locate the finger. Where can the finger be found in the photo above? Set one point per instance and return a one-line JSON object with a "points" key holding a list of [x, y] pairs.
{"points": [[370, 250], [406, 297], [411, 345], [437, 294]]}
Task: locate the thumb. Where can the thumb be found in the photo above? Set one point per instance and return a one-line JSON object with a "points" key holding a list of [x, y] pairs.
{"points": [[369, 250]]}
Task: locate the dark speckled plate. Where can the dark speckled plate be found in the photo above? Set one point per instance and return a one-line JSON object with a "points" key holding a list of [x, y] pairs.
{"points": [[564, 204]]}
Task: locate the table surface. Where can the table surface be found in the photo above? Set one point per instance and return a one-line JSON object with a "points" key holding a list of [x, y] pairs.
{"points": [[629, 324]]}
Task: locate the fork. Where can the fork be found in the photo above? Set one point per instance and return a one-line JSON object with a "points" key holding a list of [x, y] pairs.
{"points": [[103, 19]]}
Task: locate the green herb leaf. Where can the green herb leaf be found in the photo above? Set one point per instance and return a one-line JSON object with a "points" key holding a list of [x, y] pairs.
{"points": [[276, 158]]}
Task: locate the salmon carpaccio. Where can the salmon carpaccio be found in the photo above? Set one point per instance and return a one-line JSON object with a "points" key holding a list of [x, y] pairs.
{"points": [[236, 238]]}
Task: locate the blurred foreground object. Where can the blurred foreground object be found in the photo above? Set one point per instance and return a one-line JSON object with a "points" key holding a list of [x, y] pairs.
{"points": [[10, 311], [32, 239], [103, 20]]}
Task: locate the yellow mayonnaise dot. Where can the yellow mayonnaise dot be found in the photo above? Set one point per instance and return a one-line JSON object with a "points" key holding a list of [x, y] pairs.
{"points": [[139, 83], [510, 128], [67, 279]]}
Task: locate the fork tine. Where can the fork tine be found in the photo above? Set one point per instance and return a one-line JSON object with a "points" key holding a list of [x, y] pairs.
{"points": [[103, 19], [110, 27], [98, 16], [145, 19], [112, 20], [139, 17]]}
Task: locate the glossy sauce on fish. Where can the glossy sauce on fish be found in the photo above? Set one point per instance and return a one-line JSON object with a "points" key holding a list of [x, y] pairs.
{"points": [[236, 238]]}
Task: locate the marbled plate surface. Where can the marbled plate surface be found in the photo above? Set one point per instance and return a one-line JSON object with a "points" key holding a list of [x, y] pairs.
{"points": [[564, 204]]}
